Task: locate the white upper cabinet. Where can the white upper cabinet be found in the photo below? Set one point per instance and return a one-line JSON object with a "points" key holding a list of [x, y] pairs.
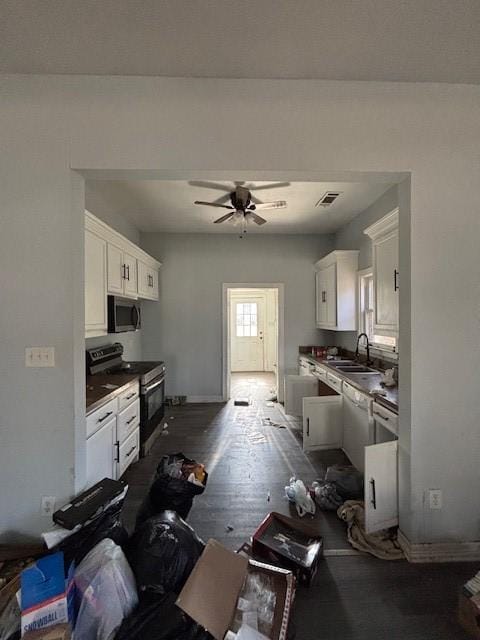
{"points": [[95, 284], [384, 235], [122, 272], [126, 271], [147, 281], [335, 289]]}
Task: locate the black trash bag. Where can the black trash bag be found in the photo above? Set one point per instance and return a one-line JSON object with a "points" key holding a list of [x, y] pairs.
{"points": [[160, 619], [347, 480], [162, 553], [170, 493], [107, 525]]}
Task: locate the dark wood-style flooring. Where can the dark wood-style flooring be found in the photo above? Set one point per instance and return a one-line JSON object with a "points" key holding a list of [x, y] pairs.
{"points": [[355, 597]]}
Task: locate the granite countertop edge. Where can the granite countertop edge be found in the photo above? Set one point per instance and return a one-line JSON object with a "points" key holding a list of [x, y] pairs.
{"points": [[389, 402], [97, 395]]}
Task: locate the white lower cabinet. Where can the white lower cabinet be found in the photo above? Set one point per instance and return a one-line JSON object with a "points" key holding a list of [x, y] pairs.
{"points": [[335, 415], [100, 452], [296, 389], [128, 452], [381, 486], [322, 422], [113, 436]]}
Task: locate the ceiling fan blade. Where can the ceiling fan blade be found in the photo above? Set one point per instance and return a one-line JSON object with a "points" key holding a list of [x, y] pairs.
{"points": [[227, 216], [279, 204], [274, 185], [213, 204], [223, 199], [256, 219], [208, 185]]}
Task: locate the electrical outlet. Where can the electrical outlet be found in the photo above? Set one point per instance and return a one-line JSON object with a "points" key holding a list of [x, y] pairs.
{"points": [[40, 356], [435, 498], [48, 505]]}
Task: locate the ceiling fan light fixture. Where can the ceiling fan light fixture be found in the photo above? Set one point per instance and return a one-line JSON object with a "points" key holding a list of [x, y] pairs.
{"points": [[248, 217], [237, 217]]}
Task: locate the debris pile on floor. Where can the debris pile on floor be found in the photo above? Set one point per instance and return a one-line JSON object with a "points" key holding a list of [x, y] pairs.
{"points": [[469, 606], [91, 581]]}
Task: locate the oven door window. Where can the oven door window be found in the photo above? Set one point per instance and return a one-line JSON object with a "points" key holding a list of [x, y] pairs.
{"points": [[154, 401]]}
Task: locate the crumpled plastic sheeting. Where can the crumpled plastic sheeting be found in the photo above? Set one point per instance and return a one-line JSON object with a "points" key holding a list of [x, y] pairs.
{"points": [[107, 591], [381, 544]]}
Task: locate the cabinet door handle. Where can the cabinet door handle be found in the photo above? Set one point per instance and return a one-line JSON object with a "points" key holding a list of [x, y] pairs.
{"points": [[324, 296], [128, 272], [132, 395], [124, 272], [308, 427], [375, 413], [117, 445], [127, 455], [395, 280], [131, 420], [373, 501], [105, 416]]}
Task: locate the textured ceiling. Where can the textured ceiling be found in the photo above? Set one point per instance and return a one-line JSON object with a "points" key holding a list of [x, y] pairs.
{"points": [[167, 205], [398, 40]]}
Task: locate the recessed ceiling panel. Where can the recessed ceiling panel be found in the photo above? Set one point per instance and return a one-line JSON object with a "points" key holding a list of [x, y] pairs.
{"points": [[168, 205]]}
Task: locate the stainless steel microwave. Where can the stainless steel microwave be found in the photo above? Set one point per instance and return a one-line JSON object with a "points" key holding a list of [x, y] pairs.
{"points": [[123, 315]]}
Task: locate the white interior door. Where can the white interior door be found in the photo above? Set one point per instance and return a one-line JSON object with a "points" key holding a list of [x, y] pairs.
{"points": [[247, 333], [381, 486]]}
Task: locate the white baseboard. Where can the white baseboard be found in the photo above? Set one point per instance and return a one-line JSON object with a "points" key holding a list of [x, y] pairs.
{"points": [[439, 551], [204, 399]]}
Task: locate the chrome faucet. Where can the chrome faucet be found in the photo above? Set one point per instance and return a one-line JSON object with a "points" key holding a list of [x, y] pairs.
{"points": [[360, 335]]}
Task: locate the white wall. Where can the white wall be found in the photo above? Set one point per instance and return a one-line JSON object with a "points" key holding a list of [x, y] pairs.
{"points": [[187, 129], [185, 329], [351, 236], [101, 206]]}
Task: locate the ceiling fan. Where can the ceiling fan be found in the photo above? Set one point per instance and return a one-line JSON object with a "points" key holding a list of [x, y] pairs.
{"points": [[243, 205]]}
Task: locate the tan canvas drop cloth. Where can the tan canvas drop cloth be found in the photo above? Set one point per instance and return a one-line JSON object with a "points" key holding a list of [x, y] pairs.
{"points": [[381, 544]]}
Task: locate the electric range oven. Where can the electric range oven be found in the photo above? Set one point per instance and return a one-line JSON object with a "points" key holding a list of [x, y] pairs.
{"points": [[108, 360]]}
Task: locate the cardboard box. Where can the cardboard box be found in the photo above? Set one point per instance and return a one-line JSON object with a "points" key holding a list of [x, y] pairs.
{"points": [[289, 543], [44, 594], [469, 614], [211, 592], [57, 632]]}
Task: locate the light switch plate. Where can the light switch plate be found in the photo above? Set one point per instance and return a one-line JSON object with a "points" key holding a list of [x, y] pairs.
{"points": [[435, 498], [40, 356]]}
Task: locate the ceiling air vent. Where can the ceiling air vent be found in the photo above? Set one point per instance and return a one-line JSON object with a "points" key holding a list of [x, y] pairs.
{"points": [[328, 198]]}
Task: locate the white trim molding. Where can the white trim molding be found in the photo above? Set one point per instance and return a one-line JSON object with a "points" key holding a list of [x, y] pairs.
{"points": [[203, 399], [439, 551], [383, 226]]}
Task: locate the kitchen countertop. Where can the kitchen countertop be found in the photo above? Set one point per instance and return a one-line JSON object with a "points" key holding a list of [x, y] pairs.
{"points": [[96, 392], [365, 383]]}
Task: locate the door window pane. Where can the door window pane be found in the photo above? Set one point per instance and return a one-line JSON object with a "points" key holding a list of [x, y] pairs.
{"points": [[246, 319]]}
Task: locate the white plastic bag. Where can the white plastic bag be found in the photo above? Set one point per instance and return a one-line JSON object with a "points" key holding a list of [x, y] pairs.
{"points": [[106, 590], [297, 492]]}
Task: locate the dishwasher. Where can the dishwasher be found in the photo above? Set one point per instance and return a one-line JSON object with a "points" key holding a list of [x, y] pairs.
{"points": [[357, 424]]}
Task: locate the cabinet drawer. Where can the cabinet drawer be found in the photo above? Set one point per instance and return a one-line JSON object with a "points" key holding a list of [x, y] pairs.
{"points": [[128, 452], [128, 420], [386, 418], [98, 418], [127, 397], [334, 382], [320, 372]]}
